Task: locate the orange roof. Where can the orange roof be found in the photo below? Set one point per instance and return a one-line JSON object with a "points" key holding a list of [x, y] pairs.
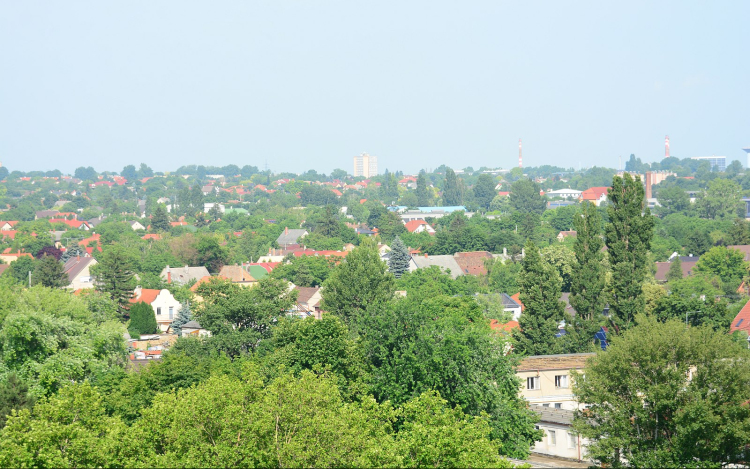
{"points": [[741, 322], [414, 224], [205, 279], [8, 233], [507, 327], [594, 193], [311, 252], [93, 238], [70, 223], [148, 295], [151, 236], [517, 298], [12, 223]]}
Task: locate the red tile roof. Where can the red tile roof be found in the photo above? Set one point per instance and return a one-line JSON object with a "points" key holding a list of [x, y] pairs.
{"points": [[507, 327], [741, 322], [517, 298], [594, 193], [412, 226], [148, 295]]}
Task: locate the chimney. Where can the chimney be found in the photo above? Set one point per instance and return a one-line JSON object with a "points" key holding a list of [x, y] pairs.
{"points": [[187, 269], [505, 252], [425, 254], [286, 230], [169, 275]]}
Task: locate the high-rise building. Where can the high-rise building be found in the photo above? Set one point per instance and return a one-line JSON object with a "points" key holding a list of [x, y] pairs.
{"points": [[365, 165], [718, 163]]}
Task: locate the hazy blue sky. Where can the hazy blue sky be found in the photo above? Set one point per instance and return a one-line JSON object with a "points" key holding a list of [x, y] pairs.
{"points": [[310, 84]]}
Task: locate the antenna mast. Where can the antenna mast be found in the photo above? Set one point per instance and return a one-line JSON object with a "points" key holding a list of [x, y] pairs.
{"points": [[520, 154], [666, 147]]}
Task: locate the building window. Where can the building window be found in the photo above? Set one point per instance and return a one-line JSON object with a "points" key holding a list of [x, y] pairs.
{"points": [[571, 440], [545, 405], [558, 405], [561, 381], [532, 382], [171, 312], [552, 437], [158, 311]]}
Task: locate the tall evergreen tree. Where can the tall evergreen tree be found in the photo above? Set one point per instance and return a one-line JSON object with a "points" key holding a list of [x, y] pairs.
{"points": [[49, 272], [540, 293], [451, 190], [628, 239], [675, 270], [587, 283], [184, 316], [160, 219], [73, 250], [14, 395], [114, 276], [423, 192], [398, 264], [142, 319]]}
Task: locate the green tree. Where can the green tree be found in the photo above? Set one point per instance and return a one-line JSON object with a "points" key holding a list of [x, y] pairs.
{"points": [[728, 264], [129, 173], [50, 273], [588, 279], [673, 199], [160, 219], [540, 294], [525, 197], [211, 254], [358, 282], [142, 319], [562, 259], [74, 250], [114, 276], [721, 200], [14, 395], [423, 192], [184, 316], [628, 239], [451, 190], [675, 270], [20, 268], [664, 396], [484, 190], [398, 264]]}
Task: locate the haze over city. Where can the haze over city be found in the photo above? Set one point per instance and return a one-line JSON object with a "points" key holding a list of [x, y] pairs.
{"points": [[301, 85]]}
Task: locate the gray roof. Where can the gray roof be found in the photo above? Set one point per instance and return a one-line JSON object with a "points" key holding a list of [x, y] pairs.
{"points": [[509, 302], [191, 325], [183, 275], [290, 237], [445, 262], [46, 213], [552, 415], [75, 266]]}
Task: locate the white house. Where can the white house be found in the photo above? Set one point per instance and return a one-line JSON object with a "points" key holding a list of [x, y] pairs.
{"points": [[165, 306], [565, 193]]}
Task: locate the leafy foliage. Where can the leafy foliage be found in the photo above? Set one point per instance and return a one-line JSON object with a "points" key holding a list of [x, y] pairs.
{"points": [[142, 319]]}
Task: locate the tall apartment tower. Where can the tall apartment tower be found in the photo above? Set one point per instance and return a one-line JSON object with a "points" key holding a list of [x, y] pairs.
{"points": [[365, 165]]}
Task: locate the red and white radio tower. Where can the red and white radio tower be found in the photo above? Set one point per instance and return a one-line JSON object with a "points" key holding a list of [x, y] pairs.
{"points": [[520, 154], [666, 147]]}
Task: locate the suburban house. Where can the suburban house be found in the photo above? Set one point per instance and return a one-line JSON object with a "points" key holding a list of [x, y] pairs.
{"points": [[77, 270], [9, 257], [418, 226], [164, 304], [560, 440], [512, 305], [290, 238], [260, 270], [308, 302], [446, 263], [687, 263], [741, 322], [596, 195], [45, 214], [545, 379], [7, 225], [472, 263], [564, 234], [236, 274], [193, 328], [135, 225], [743, 248], [183, 275], [565, 193]]}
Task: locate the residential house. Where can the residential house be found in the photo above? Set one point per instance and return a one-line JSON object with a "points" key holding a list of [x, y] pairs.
{"points": [[741, 322], [78, 271], [9, 257], [565, 234], [418, 226], [165, 306], [409, 182], [236, 274], [560, 439], [194, 329], [207, 206], [260, 270], [743, 248], [290, 238], [473, 263], [545, 379], [512, 305], [595, 195], [687, 263], [45, 214], [565, 193], [183, 275], [94, 222], [308, 302], [446, 263], [135, 225], [7, 225], [77, 224]]}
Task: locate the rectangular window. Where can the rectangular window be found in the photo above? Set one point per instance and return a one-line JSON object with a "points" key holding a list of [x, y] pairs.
{"points": [[545, 405], [558, 405], [158, 311], [561, 381], [552, 437], [572, 443], [532, 382], [171, 312]]}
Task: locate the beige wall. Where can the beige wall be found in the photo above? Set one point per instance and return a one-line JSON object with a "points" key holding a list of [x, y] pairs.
{"points": [[566, 443], [547, 392], [83, 279]]}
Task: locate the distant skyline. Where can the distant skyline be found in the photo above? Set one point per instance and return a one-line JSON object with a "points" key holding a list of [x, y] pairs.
{"points": [[310, 85]]}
